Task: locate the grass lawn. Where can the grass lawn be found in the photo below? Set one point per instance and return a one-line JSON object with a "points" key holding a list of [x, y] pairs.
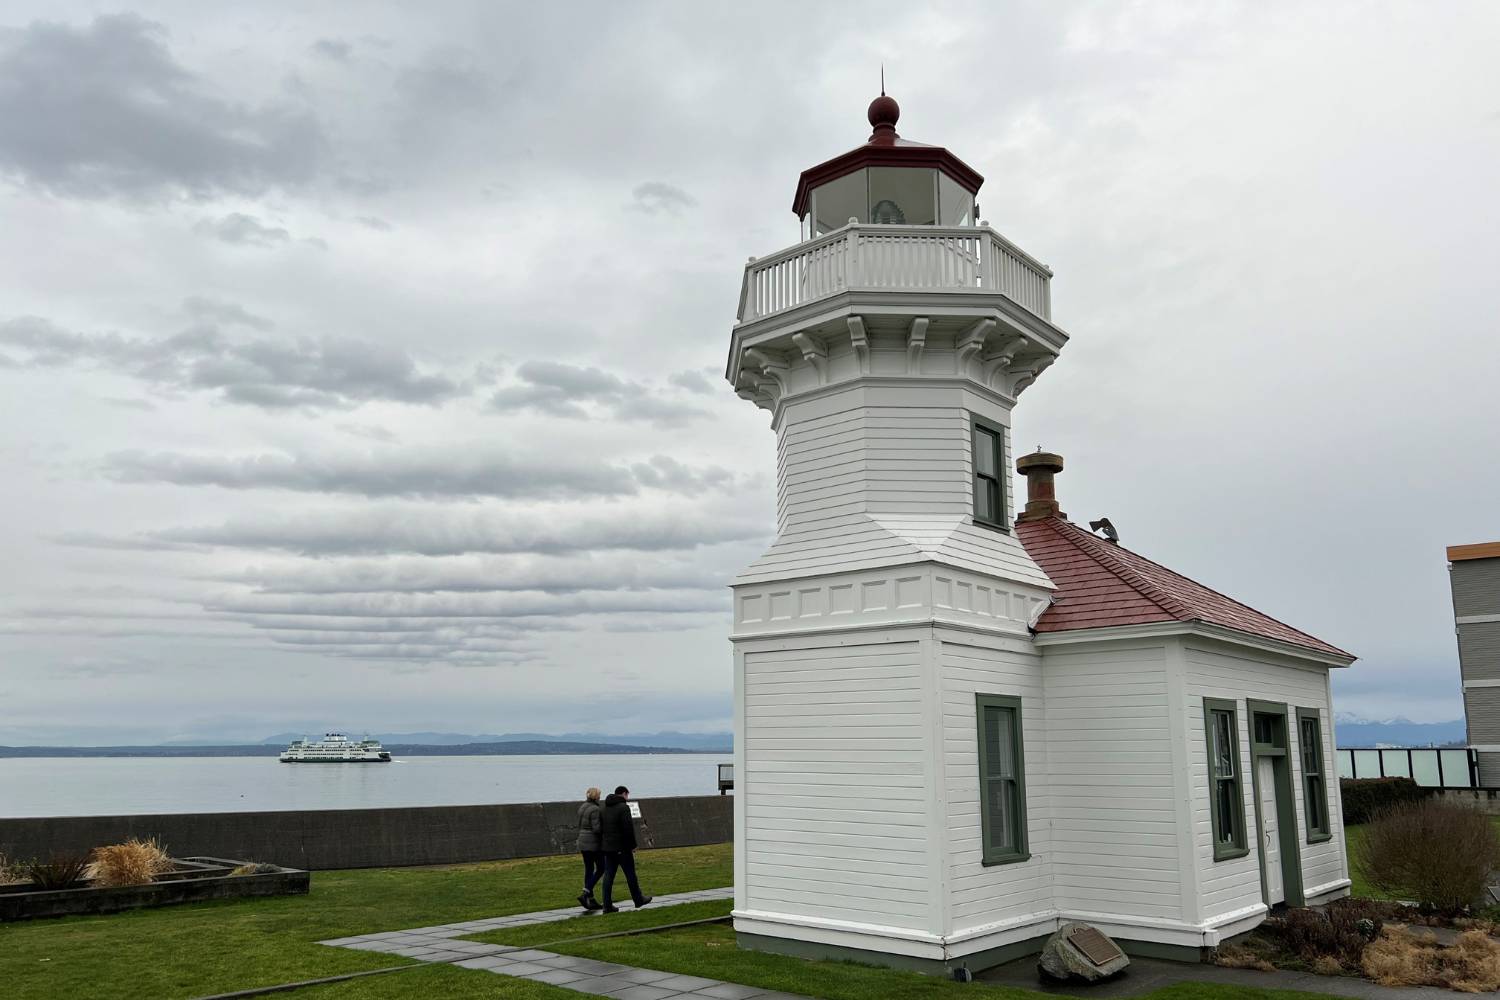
{"points": [[205, 948]]}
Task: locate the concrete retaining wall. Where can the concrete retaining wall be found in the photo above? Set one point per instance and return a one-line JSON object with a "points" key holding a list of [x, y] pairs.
{"points": [[373, 838], [1486, 800]]}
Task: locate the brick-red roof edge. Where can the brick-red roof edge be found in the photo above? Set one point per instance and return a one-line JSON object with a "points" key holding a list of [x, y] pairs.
{"points": [[1102, 585]]}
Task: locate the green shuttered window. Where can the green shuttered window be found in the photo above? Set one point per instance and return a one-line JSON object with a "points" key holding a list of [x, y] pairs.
{"points": [[1314, 781], [989, 466], [1002, 779], [1225, 790]]}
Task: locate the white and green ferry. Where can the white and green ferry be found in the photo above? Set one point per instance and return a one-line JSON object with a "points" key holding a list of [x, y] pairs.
{"points": [[335, 748]]}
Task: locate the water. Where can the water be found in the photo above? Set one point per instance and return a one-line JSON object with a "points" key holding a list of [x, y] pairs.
{"points": [[102, 786]]}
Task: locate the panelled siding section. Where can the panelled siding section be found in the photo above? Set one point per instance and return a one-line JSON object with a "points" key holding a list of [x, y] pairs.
{"points": [[1212, 672], [1115, 840], [1479, 650], [1476, 587], [980, 895], [836, 821]]}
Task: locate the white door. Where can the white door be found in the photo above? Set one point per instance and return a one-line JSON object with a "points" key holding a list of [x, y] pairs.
{"points": [[1270, 836]]}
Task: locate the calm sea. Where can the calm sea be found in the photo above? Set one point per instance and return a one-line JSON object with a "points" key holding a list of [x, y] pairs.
{"points": [[100, 786]]}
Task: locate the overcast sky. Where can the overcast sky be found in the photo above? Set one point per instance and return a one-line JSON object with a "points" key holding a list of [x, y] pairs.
{"points": [[363, 369]]}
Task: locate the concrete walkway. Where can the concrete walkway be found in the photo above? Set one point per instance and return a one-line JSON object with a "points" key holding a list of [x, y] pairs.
{"points": [[440, 944]]}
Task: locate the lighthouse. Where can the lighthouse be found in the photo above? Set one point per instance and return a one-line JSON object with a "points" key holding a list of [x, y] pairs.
{"points": [[959, 724]]}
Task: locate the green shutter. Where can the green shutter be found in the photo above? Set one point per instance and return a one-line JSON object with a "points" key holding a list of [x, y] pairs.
{"points": [[1314, 776], [1226, 795], [1002, 779]]}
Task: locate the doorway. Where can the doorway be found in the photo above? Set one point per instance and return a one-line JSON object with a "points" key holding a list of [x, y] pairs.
{"points": [[1275, 807]]}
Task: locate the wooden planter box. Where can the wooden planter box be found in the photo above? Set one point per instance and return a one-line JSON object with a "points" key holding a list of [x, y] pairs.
{"points": [[191, 880]]}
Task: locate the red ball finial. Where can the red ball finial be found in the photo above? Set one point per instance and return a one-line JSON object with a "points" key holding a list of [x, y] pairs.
{"points": [[883, 114]]}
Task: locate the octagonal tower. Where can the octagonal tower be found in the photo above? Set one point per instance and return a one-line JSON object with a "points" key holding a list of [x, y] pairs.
{"points": [[889, 345]]}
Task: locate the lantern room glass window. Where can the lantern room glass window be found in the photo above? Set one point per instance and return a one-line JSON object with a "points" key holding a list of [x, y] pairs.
{"points": [[895, 196]]}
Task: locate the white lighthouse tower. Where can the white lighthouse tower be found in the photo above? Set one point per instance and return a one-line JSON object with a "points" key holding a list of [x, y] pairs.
{"points": [[960, 727], [889, 345]]}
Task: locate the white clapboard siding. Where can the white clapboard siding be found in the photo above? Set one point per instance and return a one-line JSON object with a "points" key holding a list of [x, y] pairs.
{"points": [[834, 794], [1116, 847], [871, 477], [981, 895], [1217, 673]]}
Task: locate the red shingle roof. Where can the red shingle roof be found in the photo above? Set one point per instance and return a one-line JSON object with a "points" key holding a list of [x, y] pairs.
{"points": [[1100, 584]]}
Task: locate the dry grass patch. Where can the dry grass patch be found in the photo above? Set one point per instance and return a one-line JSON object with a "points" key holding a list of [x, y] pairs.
{"points": [[10, 871], [1404, 958], [135, 862]]}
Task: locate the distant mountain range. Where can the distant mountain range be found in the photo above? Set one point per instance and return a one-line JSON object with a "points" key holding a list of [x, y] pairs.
{"points": [[703, 742], [1350, 731]]}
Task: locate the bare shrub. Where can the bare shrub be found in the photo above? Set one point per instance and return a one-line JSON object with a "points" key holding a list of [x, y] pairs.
{"points": [[135, 862], [9, 871], [61, 870], [1438, 853], [1336, 936]]}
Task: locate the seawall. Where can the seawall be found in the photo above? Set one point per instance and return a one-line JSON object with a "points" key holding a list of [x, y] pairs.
{"points": [[372, 838]]}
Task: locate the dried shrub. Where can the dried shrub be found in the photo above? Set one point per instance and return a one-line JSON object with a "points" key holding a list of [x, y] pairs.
{"points": [[255, 868], [9, 871], [135, 862], [1327, 965], [1471, 965], [1366, 798], [1238, 956], [1331, 937], [61, 870], [1435, 852]]}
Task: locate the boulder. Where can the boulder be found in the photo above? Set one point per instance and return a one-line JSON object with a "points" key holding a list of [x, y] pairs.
{"points": [[1079, 953]]}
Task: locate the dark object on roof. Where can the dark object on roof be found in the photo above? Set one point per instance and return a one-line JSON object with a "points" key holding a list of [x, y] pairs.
{"points": [[1101, 584], [1109, 529]]}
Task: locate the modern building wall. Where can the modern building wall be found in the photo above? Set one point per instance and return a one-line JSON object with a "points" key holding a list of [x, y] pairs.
{"points": [[1474, 575]]}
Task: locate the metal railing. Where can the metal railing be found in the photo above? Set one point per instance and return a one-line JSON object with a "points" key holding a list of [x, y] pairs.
{"points": [[1430, 767], [884, 258]]}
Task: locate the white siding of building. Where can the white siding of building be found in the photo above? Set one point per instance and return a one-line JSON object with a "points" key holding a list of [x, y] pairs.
{"points": [[835, 782], [1015, 895], [1218, 671], [1115, 832], [875, 475]]}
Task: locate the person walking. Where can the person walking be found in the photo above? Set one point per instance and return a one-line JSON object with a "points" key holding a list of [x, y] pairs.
{"points": [[590, 822], [618, 839]]}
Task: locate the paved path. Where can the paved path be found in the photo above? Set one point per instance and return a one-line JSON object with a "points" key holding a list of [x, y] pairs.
{"points": [[622, 982]]}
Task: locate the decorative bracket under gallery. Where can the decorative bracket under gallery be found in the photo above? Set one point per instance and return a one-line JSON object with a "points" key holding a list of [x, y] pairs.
{"points": [[1000, 360], [916, 339], [1017, 379], [814, 352], [970, 345], [860, 342]]}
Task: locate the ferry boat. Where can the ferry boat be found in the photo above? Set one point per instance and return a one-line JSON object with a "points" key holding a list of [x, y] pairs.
{"points": [[335, 748]]}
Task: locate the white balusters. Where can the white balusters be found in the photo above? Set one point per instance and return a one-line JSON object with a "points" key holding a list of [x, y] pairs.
{"points": [[925, 258]]}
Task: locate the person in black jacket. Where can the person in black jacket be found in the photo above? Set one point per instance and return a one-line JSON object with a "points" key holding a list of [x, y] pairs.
{"points": [[617, 835]]}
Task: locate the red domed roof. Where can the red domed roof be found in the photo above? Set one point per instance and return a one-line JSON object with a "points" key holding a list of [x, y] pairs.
{"points": [[885, 148]]}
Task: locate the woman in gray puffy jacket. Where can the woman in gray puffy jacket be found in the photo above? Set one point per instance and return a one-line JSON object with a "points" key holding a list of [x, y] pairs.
{"points": [[590, 847]]}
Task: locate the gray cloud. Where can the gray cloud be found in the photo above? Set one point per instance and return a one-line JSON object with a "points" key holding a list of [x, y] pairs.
{"points": [[333, 48], [444, 531], [227, 313], [656, 197], [374, 222], [105, 110], [435, 473], [240, 229], [692, 381], [274, 374], [563, 390], [489, 605]]}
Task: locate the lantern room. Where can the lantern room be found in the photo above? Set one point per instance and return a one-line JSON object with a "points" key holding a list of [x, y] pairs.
{"points": [[887, 181]]}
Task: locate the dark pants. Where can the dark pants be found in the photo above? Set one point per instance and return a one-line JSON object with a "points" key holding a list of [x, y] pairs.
{"points": [[624, 861], [593, 870]]}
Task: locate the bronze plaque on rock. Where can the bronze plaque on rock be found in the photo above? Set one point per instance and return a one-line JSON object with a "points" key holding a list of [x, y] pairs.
{"points": [[1095, 946]]}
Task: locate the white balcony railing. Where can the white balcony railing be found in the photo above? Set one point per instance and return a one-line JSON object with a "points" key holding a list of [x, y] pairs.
{"points": [[890, 258]]}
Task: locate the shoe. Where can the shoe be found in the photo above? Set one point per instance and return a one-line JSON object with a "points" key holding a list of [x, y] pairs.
{"points": [[611, 909], [591, 904], [643, 901], [583, 901]]}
